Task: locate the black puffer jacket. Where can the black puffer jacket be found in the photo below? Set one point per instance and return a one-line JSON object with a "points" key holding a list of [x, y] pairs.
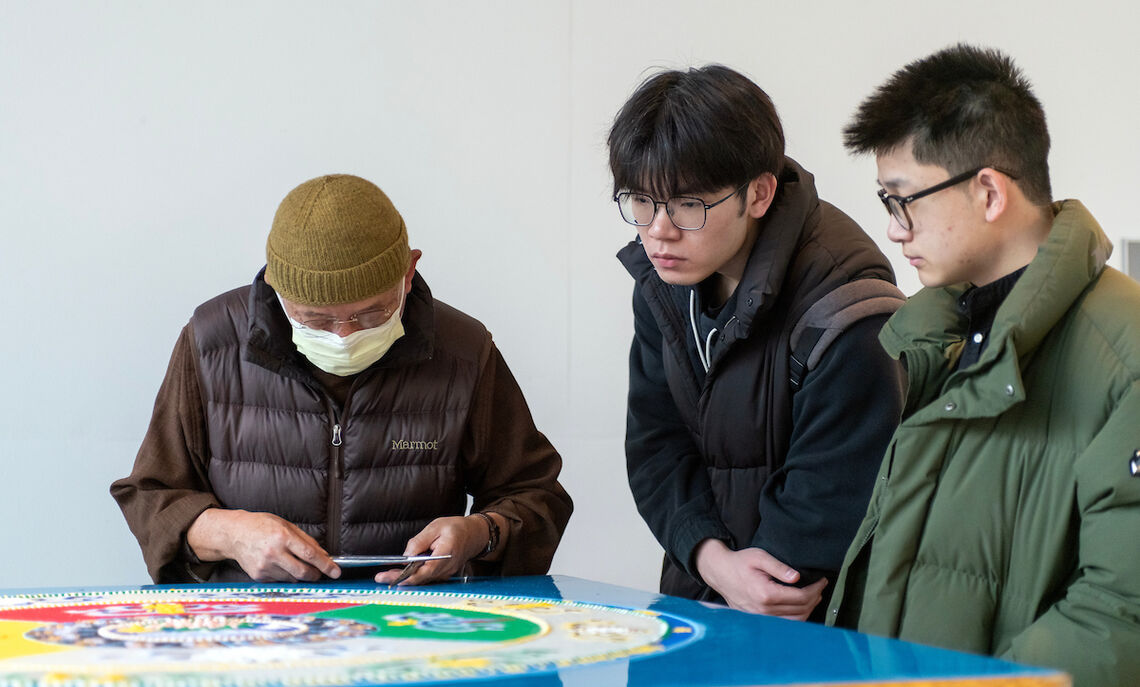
{"points": [[732, 454]]}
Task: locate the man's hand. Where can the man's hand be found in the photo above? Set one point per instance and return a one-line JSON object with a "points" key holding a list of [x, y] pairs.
{"points": [[753, 580], [464, 537], [266, 547]]}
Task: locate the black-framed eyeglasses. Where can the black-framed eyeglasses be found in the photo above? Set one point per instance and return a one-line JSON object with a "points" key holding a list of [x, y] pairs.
{"points": [[685, 212], [896, 205]]}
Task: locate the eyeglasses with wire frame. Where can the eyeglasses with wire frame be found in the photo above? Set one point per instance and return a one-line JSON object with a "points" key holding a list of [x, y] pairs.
{"points": [[896, 205], [687, 213], [365, 319]]}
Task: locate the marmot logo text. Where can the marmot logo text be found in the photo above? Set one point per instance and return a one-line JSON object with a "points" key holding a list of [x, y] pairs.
{"points": [[405, 445]]}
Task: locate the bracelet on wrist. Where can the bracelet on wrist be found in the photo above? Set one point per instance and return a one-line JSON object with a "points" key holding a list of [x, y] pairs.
{"points": [[492, 535]]}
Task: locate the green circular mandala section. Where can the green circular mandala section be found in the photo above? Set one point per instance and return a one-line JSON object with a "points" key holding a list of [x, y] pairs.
{"points": [[430, 622]]}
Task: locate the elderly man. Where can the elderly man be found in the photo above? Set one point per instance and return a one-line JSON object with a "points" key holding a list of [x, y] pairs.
{"points": [[335, 407]]}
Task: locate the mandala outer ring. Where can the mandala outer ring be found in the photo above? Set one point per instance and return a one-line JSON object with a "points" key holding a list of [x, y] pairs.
{"points": [[389, 668]]}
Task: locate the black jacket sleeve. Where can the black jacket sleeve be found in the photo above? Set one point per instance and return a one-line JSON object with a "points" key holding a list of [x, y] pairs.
{"points": [[842, 420], [666, 473]]}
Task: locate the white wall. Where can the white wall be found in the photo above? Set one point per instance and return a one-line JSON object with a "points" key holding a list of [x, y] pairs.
{"points": [[144, 147]]}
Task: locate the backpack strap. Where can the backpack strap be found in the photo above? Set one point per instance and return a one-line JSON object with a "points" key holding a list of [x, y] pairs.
{"points": [[831, 315]]}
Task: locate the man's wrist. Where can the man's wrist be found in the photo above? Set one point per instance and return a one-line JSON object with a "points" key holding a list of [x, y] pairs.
{"points": [[705, 556], [208, 536], [493, 535]]}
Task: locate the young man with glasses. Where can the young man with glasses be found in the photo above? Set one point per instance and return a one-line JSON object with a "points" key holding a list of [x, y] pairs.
{"points": [[751, 466], [334, 407], [1005, 516]]}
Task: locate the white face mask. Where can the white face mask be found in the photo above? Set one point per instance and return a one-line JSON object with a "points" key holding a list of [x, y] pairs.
{"points": [[344, 356]]}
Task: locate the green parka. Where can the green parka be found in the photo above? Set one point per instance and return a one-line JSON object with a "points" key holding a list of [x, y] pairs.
{"points": [[1006, 515]]}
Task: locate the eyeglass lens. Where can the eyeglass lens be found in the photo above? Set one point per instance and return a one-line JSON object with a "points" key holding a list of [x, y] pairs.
{"points": [[639, 209], [898, 212], [366, 320]]}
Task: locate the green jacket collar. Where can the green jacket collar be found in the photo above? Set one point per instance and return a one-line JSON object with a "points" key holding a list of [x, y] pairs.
{"points": [[928, 332]]}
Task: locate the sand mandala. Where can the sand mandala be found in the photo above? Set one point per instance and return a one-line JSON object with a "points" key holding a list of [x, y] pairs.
{"points": [[294, 635]]}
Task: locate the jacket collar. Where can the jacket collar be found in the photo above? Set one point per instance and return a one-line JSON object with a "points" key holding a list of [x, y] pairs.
{"points": [[269, 338], [1072, 257], [781, 230], [928, 330]]}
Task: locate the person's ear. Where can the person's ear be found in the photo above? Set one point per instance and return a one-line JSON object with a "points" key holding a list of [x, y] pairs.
{"points": [[993, 192], [414, 256], [761, 192]]}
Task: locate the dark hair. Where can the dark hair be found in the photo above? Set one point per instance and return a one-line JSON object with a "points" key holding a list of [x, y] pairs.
{"points": [[694, 131], [961, 107]]}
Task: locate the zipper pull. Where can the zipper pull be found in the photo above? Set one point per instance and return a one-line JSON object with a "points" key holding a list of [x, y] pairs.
{"points": [[336, 435]]}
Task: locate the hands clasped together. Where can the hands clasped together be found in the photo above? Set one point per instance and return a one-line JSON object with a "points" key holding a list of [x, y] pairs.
{"points": [[754, 580]]}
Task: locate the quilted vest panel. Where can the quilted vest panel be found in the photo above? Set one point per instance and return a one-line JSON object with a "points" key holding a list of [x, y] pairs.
{"points": [[395, 467], [740, 413]]}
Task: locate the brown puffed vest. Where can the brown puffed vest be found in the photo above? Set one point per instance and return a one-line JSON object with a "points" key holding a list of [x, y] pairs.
{"points": [[362, 479]]}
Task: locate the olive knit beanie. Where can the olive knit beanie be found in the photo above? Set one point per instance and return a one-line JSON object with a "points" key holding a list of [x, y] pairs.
{"points": [[335, 239]]}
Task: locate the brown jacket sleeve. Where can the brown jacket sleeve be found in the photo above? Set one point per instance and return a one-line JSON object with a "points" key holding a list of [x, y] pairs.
{"points": [[168, 487], [512, 470]]}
